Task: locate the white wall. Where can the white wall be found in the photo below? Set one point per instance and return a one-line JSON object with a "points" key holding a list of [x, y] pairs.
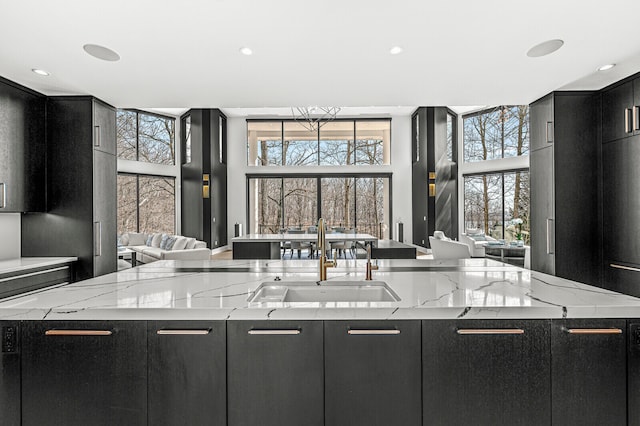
{"points": [[10, 236], [400, 168]]}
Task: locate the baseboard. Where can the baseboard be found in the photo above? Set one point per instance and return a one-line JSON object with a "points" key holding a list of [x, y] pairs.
{"points": [[220, 249]]}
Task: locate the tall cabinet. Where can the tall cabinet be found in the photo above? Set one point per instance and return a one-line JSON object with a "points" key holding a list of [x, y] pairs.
{"points": [[621, 186], [204, 176], [80, 218], [564, 186], [22, 148]]}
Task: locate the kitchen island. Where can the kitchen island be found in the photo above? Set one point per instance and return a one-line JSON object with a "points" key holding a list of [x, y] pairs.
{"points": [[178, 342]]}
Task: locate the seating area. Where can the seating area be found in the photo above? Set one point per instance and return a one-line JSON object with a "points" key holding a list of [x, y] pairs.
{"points": [[158, 246], [476, 240]]}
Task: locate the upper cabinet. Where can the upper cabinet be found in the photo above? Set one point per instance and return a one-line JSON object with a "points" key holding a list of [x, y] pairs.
{"points": [[22, 149], [621, 111]]}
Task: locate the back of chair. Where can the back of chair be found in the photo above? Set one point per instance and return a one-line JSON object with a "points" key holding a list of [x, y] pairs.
{"points": [[442, 249]]}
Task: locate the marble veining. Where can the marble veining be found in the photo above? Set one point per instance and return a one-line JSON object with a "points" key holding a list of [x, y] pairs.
{"points": [[428, 289]]}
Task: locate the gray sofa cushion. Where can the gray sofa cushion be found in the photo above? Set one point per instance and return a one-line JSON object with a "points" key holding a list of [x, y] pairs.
{"points": [[180, 244], [163, 241], [137, 239], [157, 238], [191, 242]]}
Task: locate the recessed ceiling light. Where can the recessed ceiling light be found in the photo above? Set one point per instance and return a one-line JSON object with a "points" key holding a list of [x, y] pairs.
{"points": [[606, 67], [545, 48], [246, 51], [39, 72], [101, 52], [395, 50]]}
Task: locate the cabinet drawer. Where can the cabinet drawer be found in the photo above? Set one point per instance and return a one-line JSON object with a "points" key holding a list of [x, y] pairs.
{"points": [[622, 277]]}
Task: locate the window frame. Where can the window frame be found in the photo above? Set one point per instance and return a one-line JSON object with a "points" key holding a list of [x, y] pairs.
{"points": [[153, 114]]}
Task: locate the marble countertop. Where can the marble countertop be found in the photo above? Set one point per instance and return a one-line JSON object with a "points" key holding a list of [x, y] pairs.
{"points": [[25, 263], [217, 290]]}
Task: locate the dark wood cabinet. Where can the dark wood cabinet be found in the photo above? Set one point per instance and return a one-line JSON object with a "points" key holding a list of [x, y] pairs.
{"points": [[487, 372], [621, 277], [633, 369], [371, 373], [589, 372], [84, 373], [275, 373], [564, 191], [10, 405], [22, 149], [617, 112], [187, 373], [81, 188]]}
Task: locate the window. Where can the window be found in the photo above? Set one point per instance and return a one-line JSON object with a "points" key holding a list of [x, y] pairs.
{"points": [[501, 132], [146, 203], [492, 201], [361, 202], [450, 137], [336, 143], [145, 137], [187, 139]]}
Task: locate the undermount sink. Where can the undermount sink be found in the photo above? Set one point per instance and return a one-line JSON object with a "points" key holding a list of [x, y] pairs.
{"points": [[327, 291]]}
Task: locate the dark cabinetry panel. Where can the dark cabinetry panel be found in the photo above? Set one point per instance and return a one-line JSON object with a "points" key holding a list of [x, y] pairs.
{"points": [[564, 190], [187, 373], [275, 373], [621, 200], [617, 114], [475, 371], [633, 368], [84, 373], [22, 149], [621, 277], [371, 378], [10, 373], [589, 368], [81, 188]]}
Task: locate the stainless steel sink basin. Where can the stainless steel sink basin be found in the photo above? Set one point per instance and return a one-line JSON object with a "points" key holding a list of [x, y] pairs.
{"points": [[327, 291]]}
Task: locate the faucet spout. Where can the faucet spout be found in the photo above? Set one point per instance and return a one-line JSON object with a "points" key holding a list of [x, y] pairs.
{"points": [[370, 267], [323, 263]]}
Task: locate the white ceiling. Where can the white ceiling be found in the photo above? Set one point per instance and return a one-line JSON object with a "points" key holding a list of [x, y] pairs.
{"points": [[181, 54]]}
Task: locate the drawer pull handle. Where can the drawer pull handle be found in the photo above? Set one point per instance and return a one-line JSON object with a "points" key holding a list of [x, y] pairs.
{"points": [[594, 331], [627, 120], [627, 268], [636, 125], [78, 333], [273, 332], [96, 136], [471, 331], [182, 332], [549, 131], [373, 332], [3, 194]]}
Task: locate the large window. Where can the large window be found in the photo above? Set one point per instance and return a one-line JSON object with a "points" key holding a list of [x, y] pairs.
{"points": [[493, 201], [145, 137], [146, 203], [284, 202], [336, 143], [500, 132]]}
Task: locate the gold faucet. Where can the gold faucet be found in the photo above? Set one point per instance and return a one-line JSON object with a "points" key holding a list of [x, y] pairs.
{"points": [[324, 263], [370, 267]]}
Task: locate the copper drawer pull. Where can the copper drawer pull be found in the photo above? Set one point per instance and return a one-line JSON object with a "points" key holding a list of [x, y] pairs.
{"points": [[182, 332], [594, 331], [78, 333], [373, 332], [465, 331], [274, 332]]}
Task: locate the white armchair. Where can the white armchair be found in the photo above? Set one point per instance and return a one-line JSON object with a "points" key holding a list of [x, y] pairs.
{"points": [[476, 240], [447, 249]]}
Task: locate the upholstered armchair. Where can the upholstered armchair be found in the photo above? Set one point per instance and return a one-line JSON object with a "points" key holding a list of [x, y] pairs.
{"points": [[444, 248], [476, 240]]}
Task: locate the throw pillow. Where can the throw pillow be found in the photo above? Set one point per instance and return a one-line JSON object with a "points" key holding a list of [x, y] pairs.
{"points": [[163, 241], [180, 244], [479, 237], [191, 242], [170, 242], [137, 239], [200, 244], [124, 239], [149, 240], [157, 238]]}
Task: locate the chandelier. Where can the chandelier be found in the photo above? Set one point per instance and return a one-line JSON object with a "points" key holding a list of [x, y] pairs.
{"points": [[314, 117]]}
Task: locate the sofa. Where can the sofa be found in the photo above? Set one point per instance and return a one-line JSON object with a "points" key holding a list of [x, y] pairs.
{"points": [[159, 246], [476, 240]]}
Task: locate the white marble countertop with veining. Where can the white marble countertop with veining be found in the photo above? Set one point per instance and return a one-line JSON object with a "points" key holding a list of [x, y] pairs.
{"points": [[217, 290]]}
